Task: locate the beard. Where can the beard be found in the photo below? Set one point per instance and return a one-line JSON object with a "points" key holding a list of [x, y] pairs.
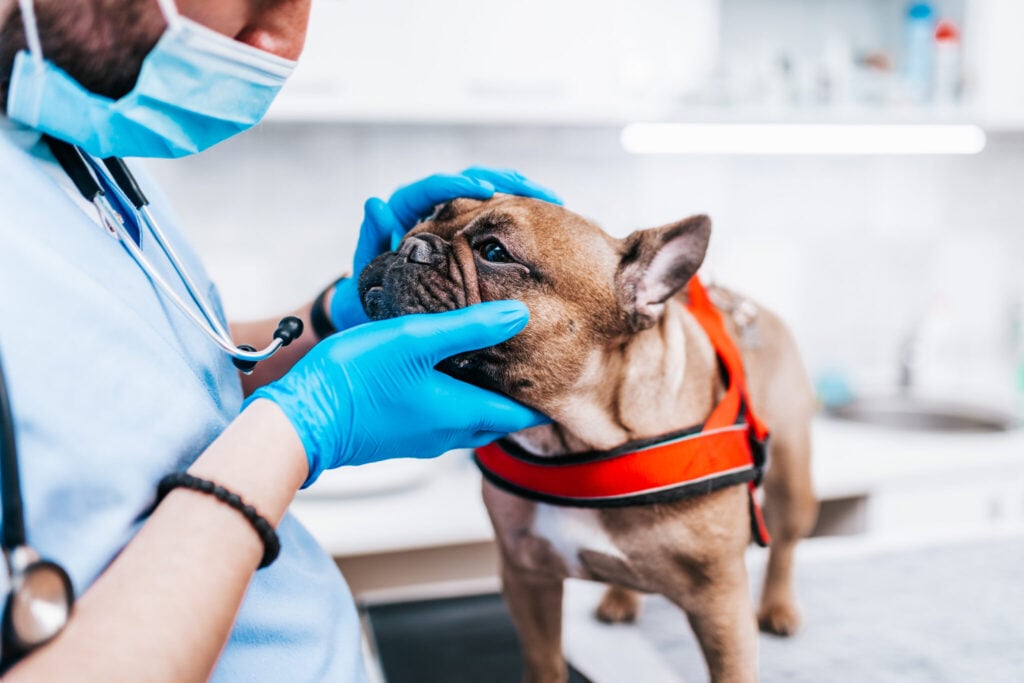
{"points": [[99, 43]]}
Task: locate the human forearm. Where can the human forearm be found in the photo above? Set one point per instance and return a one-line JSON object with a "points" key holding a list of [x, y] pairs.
{"points": [[165, 607]]}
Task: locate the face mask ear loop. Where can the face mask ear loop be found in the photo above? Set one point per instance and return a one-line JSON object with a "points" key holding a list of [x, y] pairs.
{"points": [[170, 11], [28, 20]]}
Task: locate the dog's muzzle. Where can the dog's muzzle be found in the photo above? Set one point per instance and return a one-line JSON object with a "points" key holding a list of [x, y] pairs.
{"points": [[422, 276], [424, 249], [426, 275]]}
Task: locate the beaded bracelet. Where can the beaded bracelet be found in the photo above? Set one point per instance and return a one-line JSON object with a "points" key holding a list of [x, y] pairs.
{"points": [[271, 543]]}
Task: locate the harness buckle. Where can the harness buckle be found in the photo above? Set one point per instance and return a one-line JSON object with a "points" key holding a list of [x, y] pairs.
{"points": [[759, 452]]}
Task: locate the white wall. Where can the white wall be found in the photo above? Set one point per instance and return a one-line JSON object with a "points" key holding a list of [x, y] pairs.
{"points": [[854, 252]]}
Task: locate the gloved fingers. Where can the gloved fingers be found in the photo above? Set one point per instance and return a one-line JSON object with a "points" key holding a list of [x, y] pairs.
{"points": [[484, 438], [417, 200], [475, 441], [379, 224], [486, 411], [512, 182], [346, 308], [441, 335]]}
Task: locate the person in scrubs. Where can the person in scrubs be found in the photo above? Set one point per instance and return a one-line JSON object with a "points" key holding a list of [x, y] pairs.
{"points": [[113, 388]]}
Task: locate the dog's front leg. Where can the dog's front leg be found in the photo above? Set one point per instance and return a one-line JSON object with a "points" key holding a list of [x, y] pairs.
{"points": [[535, 603], [716, 599]]}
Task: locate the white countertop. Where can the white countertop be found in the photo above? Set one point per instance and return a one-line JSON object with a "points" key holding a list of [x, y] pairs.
{"points": [[852, 459], [418, 504]]}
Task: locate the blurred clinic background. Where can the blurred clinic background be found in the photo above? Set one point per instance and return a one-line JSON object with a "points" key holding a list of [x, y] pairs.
{"points": [[863, 164]]}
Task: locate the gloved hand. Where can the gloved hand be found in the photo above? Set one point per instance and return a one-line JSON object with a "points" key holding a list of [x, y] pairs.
{"points": [[372, 393], [385, 223]]}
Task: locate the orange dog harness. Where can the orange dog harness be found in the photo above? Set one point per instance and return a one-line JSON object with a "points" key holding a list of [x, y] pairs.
{"points": [[728, 449]]}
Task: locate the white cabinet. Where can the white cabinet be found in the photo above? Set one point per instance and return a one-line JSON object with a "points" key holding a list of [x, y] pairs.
{"points": [[526, 60], [582, 62], [995, 61]]}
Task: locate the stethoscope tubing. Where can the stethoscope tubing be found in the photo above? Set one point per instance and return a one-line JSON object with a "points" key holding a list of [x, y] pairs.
{"points": [[13, 507], [109, 215], [83, 172], [194, 291], [128, 187], [23, 562]]}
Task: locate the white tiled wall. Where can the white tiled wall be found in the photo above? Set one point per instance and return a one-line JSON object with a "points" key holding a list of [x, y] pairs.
{"points": [[854, 252]]}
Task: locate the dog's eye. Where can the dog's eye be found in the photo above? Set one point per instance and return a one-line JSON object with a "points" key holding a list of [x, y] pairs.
{"points": [[494, 251]]}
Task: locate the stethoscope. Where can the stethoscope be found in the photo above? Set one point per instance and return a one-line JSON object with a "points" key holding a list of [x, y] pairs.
{"points": [[41, 596], [85, 172]]}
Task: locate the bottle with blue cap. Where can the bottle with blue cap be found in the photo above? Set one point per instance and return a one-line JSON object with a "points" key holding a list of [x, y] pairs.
{"points": [[918, 56]]}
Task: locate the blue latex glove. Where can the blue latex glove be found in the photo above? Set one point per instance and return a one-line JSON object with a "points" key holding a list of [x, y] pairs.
{"points": [[385, 223], [372, 393]]}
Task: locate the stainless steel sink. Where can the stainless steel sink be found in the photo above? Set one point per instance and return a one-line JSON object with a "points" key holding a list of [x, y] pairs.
{"points": [[918, 414]]}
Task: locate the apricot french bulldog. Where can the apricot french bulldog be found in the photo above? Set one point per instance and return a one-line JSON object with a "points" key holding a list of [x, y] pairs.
{"points": [[612, 355]]}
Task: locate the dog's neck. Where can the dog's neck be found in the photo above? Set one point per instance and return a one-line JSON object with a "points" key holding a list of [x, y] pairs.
{"points": [[663, 379]]}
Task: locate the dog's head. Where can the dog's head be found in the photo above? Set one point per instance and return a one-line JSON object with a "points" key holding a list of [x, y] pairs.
{"points": [[585, 289]]}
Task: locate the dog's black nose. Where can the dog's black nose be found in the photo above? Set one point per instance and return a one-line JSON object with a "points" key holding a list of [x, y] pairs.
{"points": [[423, 248]]}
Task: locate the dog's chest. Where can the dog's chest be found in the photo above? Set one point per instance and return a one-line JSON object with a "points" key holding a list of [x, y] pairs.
{"points": [[574, 533]]}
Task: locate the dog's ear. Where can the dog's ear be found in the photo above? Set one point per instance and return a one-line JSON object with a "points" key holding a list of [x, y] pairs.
{"points": [[657, 263]]}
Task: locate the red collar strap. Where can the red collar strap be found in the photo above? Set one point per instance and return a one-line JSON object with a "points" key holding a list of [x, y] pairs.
{"points": [[728, 449]]}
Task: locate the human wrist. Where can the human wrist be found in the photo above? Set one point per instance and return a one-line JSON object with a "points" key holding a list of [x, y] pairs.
{"points": [[307, 423], [260, 457], [260, 524]]}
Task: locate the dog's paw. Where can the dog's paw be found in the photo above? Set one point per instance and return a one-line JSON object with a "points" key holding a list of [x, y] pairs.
{"points": [[780, 618], [618, 606]]}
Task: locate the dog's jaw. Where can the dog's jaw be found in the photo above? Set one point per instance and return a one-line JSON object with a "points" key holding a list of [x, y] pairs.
{"points": [[673, 361], [583, 420]]}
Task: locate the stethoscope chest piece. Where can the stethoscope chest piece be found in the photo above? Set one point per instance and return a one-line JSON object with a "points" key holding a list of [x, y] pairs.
{"points": [[40, 596], [39, 604]]}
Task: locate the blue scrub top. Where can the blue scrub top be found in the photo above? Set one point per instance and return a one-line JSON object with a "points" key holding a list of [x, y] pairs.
{"points": [[112, 388]]}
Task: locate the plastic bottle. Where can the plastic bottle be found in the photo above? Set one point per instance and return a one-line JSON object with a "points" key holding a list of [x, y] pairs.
{"points": [[918, 56], [947, 63]]}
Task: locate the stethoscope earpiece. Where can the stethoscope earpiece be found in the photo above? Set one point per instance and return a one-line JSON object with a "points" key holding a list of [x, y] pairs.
{"points": [[288, 330], [244, 366]]}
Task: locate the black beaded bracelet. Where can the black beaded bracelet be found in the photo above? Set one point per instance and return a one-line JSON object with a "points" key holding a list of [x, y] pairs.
{"points": [[271, 543], [319, 318]]}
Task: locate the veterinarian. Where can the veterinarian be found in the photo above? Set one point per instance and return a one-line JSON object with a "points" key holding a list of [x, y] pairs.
{"points": [[146, 475]]}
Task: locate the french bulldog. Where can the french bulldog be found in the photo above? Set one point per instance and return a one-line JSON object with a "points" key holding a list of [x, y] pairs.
{"points": [[612, 355]]}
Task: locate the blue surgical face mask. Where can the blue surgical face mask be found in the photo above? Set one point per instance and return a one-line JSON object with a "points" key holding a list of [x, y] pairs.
{"points": [[196, 88]]}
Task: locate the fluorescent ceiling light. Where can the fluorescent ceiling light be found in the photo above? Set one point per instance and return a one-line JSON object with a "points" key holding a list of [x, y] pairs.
{"points": [[741, 138]]}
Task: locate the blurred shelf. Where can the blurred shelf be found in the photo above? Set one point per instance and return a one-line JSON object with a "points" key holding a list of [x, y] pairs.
{"points": [[327, 109], [611, 64]]}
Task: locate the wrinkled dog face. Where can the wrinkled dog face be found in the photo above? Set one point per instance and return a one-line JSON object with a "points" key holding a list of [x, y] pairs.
{"points": [[585, 290]]}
